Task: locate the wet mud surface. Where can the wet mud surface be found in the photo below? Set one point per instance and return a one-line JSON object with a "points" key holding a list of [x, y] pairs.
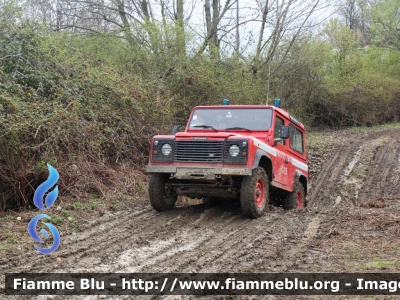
{"points": [[351, 224]]}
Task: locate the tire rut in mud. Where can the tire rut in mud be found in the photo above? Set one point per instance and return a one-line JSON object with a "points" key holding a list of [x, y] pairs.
{"points": [[194, 239], [219, 238], [190, 239], [323, 194], [383, 174], [102, 239]]}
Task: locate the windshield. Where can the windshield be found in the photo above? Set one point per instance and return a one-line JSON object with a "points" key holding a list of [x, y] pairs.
{"points": [[231, 119]]}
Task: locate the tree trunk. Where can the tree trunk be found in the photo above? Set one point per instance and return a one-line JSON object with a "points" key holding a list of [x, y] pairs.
{"points": [[180, 29], [125, 22]]}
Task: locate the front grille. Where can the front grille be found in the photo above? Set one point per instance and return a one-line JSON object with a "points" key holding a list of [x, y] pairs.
{"points": [[199, 151]]}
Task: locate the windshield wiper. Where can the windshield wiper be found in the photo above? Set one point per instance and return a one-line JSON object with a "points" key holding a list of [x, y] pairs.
{"points": [[236, 128], [205, 126]]}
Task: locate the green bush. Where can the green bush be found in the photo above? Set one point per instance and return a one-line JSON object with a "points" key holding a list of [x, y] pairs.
{"points": [[85, 103], [60, 106]]}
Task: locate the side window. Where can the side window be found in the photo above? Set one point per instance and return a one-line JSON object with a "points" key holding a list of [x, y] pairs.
{"points": [[277, 128], [296, 139]]}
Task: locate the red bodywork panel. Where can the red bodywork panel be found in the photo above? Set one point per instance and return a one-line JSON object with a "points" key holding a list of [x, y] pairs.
{"points": [[286, 161]]}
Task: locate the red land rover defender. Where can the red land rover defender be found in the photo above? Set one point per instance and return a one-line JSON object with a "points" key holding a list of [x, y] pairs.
{"points": [[245, 152]]}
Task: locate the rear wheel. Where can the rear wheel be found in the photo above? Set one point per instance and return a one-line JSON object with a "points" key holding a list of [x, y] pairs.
{"points": [[254, 193], [162, 197], [295, 199]]}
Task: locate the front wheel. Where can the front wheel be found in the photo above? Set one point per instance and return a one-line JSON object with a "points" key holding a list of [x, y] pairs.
{"points": [[162, 197], [295, 199], [254, 193]]}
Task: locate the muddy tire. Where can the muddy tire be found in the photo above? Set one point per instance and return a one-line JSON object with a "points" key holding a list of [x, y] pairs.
{"points": [[295, 199], [254, 193], [161, 198]]}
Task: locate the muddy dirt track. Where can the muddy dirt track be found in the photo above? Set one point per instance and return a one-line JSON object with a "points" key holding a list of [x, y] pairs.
{"points": [[353, 209]]}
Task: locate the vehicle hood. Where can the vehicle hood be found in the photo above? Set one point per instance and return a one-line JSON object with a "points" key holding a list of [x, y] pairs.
{"points": [[208, 135]]}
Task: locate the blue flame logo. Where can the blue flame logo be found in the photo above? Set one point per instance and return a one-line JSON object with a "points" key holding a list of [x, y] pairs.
{"points": [[49, 201]]}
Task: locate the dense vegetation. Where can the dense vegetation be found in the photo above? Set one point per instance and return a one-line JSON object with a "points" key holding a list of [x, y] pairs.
{"points": [[91, 100]]}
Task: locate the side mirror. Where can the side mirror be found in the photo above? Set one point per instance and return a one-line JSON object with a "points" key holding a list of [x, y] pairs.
{"points": [[175, 129], [284, 132]]}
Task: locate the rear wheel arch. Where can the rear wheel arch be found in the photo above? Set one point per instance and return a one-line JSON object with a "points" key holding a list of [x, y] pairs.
{"points": [[303, 181], [300, 176], [297, 198]]}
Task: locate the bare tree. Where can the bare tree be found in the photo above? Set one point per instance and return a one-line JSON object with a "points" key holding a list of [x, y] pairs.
{"points": [[350, 11], [214, 14], [162, 25], [282, 23], [353, 13]]}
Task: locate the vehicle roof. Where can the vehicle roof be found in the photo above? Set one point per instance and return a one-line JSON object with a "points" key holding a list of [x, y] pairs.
{"points": [[280, 110]]}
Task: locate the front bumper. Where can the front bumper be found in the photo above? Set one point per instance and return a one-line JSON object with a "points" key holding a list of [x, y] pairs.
{"points": [[198, 173]]}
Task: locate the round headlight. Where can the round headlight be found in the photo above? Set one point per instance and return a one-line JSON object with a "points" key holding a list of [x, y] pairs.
{"points": [[166, 149], [234, 150]]}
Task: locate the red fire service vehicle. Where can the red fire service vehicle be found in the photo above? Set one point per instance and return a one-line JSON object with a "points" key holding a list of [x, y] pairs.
{"points": [[253, 153]]}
